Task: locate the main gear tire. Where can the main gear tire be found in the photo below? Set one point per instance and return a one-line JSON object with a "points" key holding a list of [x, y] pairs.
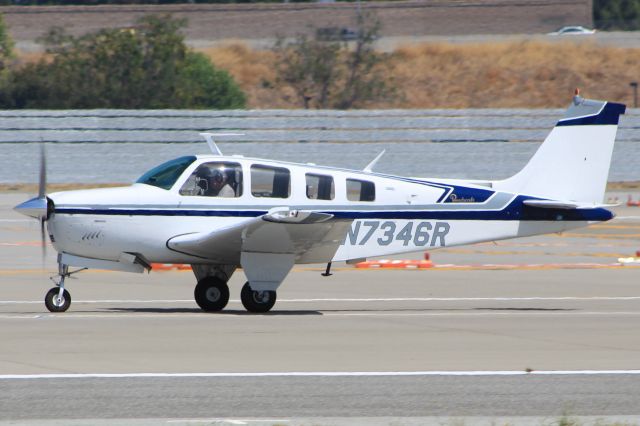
{"points": [[257, 301], [211, 294]]}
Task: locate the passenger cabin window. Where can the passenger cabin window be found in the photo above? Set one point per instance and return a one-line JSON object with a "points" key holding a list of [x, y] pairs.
{"points": [[215, 179], [271, 182], [320, 187], [360, 190]]}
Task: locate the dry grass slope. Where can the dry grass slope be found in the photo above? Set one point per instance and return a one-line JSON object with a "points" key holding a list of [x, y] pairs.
{"points": [[439, 75]]}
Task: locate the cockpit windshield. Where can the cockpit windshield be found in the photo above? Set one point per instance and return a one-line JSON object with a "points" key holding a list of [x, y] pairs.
{"points": [[166, 174]]}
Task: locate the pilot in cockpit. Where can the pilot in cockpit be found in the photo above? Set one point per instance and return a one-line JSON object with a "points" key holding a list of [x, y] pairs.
{"points": [[214, 183]]}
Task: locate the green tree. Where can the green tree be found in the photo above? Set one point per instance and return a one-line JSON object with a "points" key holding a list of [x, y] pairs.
{"points": [[147, 66], [310, 67], [616, 14], [325, 73], [6, 57], [199, 83], [365, 67], [6, 45]]}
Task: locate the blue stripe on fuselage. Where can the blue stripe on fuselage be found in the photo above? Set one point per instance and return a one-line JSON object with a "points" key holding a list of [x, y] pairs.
{"points": [[516, 210]]}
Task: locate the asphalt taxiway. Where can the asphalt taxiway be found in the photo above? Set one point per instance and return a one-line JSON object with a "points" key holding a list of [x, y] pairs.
{"points": [[542, 326]]}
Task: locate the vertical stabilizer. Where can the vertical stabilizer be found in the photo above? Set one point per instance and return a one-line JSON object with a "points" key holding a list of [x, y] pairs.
{"points": [[573, 162]]}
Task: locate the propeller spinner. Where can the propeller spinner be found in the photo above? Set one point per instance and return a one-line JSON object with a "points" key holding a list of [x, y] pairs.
{"points": [[38, 207]]}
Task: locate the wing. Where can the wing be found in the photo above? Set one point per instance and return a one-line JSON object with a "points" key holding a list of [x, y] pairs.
{"points": [[311, 237]]}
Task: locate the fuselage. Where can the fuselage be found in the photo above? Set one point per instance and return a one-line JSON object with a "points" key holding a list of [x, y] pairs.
{"points": [[389, 214]]}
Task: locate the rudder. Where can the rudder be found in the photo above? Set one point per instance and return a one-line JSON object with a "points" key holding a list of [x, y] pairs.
{"points": [[573, 162]]}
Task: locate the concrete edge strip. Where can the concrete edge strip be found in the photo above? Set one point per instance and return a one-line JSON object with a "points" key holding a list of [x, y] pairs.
{"points": [[320, 374], [317, 314]]}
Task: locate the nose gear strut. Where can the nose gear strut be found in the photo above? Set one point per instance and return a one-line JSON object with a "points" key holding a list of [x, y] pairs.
{"points": [[58, 299]]}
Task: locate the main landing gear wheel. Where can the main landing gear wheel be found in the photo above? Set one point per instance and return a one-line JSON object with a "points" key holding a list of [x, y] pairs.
{"points": [[211, 294], [55, 303], [257, 301]]}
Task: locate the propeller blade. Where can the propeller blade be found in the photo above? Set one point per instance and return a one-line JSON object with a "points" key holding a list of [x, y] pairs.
{"points": [[37, 207], [42, 182], [43, 239]]}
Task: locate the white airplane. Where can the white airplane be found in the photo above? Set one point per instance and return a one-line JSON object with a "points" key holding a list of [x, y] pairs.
{"points": [[219, 212]]}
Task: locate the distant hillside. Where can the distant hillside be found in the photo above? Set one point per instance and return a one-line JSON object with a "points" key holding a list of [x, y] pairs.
{"points": [[497, 75]]}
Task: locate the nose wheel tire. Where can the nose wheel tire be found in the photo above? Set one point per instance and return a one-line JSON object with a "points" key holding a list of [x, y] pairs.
{"points": [[56, 304], [211, 294], [257, 301]]}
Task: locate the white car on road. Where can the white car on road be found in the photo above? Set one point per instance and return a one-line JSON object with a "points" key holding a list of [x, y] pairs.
{"points": [[573, 30]]}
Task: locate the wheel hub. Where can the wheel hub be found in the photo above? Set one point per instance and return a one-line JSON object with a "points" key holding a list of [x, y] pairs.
{"points": [[261, 296], [213, 294]]}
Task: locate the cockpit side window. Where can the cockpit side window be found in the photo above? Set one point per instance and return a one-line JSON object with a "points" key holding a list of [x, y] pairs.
{"points": [[320, 187], [271, 182], [360, 190], [166, 174], [215, 179]]}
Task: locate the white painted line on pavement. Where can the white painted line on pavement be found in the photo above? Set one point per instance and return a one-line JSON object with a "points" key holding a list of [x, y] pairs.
{"points": [[32, 302], [318, 374], [232, 421], [460, 299], [388, 299], [514, 312]]}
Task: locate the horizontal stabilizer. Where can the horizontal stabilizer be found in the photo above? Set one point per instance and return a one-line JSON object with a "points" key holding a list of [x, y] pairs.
{"points": [[565, 205], [546, 204]]}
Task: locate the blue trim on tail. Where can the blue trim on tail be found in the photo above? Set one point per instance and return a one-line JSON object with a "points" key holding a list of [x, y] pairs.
{"points": [[610, 114]]}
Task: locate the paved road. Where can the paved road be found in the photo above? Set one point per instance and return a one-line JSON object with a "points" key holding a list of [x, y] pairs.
{"points": [[546, 304], [212, 22]]}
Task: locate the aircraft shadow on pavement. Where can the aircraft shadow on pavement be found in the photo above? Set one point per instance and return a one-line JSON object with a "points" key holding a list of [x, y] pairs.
{"points": [[241, 312], [528, 309], [169, 310], [200, 311]]}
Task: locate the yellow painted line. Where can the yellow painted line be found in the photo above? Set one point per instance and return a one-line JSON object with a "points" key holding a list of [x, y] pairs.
{"points": [[608, 226], [599, 236], [445, 267], [23, 244], [536, 252], [550, 267], [47, 272], [487, 267]]}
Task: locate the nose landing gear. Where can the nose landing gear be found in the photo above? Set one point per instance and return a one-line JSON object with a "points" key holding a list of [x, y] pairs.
{"points": [[58, 299]]}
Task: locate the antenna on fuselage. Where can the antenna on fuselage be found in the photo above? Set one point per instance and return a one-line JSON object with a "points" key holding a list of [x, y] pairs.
{"points": [[212, 145], [369, 167]]}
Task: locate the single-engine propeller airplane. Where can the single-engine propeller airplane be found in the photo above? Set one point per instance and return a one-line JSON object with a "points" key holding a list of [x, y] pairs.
{"points": [[218, 212]]}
